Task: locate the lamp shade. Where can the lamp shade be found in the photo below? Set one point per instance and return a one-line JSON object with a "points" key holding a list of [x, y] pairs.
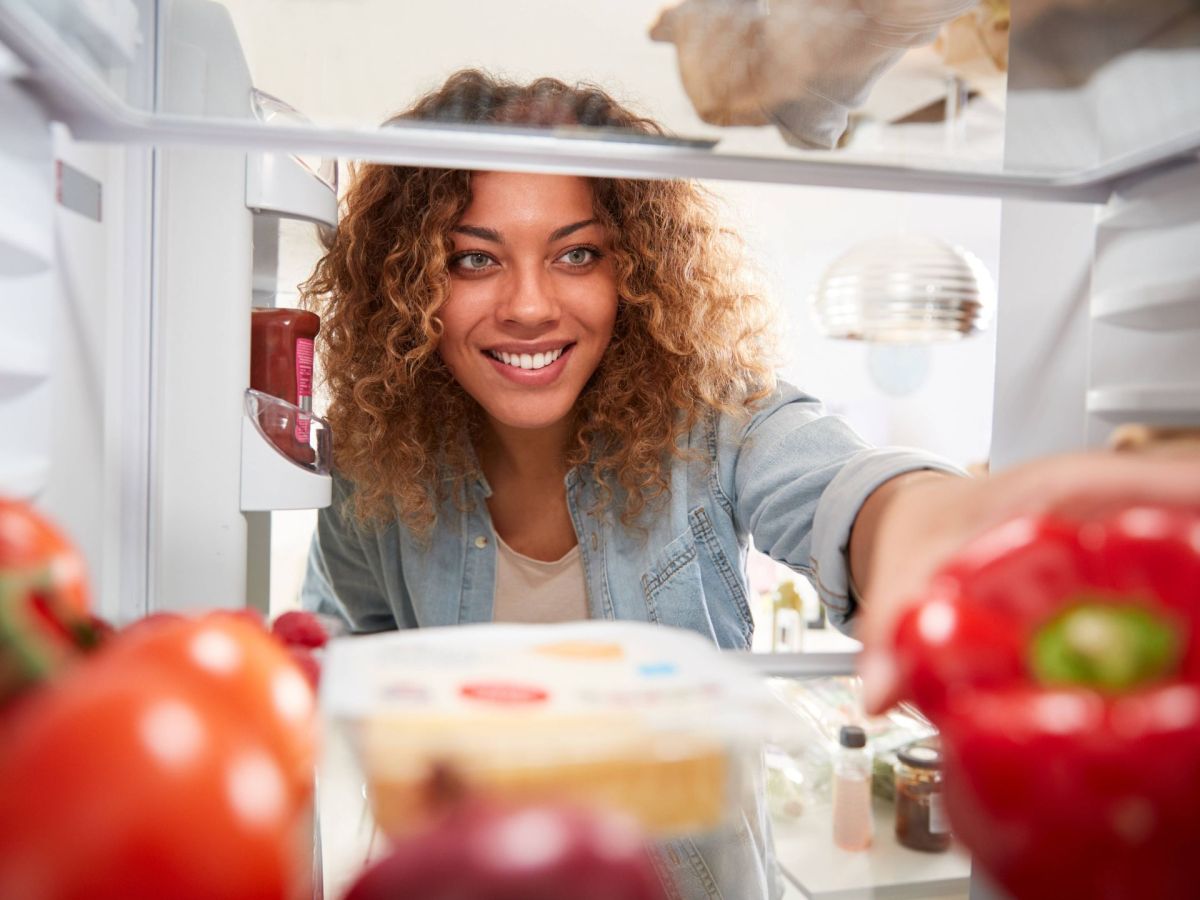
{"points": [[904, 288]]}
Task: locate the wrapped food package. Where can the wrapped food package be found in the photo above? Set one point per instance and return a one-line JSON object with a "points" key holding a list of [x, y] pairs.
{"points": [[800, 64]]}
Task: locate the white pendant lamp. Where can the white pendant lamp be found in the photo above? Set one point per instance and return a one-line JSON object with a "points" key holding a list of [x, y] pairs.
{"points": [[904, 288]]}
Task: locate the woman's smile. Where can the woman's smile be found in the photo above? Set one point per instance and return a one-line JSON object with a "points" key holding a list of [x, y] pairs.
{"points": [[531, 367]]}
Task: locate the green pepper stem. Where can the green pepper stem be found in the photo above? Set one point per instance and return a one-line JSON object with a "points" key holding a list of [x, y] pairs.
{"points": [[1108, 646]]}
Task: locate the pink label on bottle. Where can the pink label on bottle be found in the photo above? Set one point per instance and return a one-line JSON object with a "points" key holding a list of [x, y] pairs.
{"points": [[304, 370]]}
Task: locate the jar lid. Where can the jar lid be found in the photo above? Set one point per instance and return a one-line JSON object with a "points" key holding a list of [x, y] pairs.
{"points": [[852, 736], [921, 755]]}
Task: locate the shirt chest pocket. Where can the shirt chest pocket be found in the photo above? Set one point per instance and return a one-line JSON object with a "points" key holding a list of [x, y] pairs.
{"points": [[672, 586], [677, 584]]}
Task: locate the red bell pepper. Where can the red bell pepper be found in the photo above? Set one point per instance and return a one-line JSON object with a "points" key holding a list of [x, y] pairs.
{"points": [[1061, 663]]}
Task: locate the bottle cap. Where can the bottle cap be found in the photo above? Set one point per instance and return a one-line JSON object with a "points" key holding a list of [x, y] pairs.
{"points": [[921, 755], [852, 736]]}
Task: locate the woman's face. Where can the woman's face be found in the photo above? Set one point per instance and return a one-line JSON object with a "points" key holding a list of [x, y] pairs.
{"points": [[532, 297]]}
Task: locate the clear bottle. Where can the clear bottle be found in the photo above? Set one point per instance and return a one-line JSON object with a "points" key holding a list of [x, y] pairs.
{"points": [[787, 619], [853, 819]]}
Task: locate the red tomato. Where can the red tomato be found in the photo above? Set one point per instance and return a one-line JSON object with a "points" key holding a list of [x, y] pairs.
{"points": [[44, 600], [227, 657], [127, 781], [33, 549], [29, 544]]}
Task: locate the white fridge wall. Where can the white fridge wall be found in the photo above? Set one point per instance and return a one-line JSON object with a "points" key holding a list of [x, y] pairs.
{"points": [[201, 338], [87, 295], [1041, 330]]}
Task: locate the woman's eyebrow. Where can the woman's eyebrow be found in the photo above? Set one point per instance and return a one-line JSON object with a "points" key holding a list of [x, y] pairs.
{"points": [[561, 233], [490, 234], [484, 234]]}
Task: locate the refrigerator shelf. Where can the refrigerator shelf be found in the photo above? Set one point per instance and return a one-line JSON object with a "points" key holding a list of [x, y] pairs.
{"points": [[885, 871], [1156, 405], [93, 111]]}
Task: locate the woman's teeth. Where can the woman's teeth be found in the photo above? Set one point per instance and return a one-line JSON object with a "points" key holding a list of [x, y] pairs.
{"points": [[527, 360]]}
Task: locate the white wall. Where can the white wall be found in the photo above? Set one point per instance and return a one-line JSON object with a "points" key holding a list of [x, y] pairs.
{"points": [[797, 232]]}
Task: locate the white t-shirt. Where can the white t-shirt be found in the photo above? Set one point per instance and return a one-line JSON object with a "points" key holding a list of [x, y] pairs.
{"points": [[530, 590]]}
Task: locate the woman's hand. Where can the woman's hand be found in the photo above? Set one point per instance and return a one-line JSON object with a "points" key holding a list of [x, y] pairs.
{"points": [[926, 518]]}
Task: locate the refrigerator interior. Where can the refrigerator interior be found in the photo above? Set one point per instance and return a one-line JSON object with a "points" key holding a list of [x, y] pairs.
{"points": [[131, 253]]}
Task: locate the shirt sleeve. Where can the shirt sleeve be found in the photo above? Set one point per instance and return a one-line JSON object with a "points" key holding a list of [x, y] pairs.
{"points": [[341, 577], [799, 478]]}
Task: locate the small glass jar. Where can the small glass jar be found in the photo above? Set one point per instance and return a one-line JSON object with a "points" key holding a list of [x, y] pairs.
{"points": [[921, 822]]}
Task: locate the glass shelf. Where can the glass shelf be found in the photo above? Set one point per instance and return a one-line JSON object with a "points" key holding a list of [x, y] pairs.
{"points": [[1086, 122]]}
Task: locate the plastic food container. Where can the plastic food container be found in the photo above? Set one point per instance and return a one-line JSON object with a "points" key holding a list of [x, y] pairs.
{"points": [[644, 719]]}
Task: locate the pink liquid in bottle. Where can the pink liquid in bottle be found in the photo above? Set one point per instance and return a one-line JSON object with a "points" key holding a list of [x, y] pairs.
{"points": [[853, 820]]}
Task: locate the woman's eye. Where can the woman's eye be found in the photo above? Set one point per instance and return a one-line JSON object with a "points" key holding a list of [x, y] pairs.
{"points": [[579, 256], [473, 261]]}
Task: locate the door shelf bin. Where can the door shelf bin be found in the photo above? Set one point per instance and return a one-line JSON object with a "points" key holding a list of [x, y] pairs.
{"points": [[286, 454]]}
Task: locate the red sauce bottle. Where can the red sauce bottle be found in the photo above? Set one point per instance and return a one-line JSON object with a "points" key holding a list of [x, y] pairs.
{"points": [[281, 364]]}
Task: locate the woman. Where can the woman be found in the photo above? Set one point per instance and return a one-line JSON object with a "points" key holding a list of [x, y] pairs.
{"points": [[500, 343], [553, 399]]}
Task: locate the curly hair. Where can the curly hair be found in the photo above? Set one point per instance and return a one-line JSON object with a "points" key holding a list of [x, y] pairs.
{"points": [[690, 335]]}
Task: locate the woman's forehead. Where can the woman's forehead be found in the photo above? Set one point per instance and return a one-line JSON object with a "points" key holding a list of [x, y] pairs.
{"points": [[515, 197]]}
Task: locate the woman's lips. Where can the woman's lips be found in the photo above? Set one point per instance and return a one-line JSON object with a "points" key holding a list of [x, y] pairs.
{"points": [[532, 377]]}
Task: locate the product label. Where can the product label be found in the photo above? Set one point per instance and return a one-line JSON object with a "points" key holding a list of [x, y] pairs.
{"points": [[937, 815], [505, 693], [304, 371]]}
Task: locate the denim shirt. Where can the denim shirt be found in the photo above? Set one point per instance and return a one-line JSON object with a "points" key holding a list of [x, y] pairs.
{"points": [[788, 474]]}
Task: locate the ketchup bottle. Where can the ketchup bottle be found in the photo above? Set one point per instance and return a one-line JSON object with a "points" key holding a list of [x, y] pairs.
{"points": [[281, 364]]}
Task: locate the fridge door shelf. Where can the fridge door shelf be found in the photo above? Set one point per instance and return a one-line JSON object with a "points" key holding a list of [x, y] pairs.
{"points": [[1165, 306], [21, 368], [26, 215], [108, 32], [1147, 273], [1155, 405], [279, 184], [20, 253], [24, 477], [286, 455]]}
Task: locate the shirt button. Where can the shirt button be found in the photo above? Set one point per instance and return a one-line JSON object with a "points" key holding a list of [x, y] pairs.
{"points": [[595, 542], [481, 542]]}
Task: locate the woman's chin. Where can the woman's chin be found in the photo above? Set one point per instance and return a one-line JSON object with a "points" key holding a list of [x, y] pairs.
{"points": [[538, 419]]}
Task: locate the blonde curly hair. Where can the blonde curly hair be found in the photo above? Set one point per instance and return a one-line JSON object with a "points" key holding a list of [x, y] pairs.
{"points": [[690, 336]]}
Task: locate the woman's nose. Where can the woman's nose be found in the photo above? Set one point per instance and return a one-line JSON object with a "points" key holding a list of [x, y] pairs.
{"points": [[531, 298]]}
